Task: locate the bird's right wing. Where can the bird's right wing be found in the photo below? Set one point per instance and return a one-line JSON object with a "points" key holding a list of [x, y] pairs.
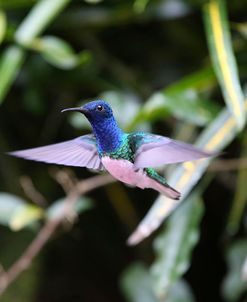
{"points": [[154, 150], [79, 152]]}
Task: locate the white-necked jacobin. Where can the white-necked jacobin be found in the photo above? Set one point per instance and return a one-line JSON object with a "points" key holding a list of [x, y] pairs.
{"points": [[129, 157]]}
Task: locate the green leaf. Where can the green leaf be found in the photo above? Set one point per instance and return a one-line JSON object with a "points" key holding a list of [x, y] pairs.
{"points": [[201, 80], [14, 4], [186, 106], [180, 292], [182, 99], [3, 25], [82, 204], [39, 17], [93, 1], [59, 53], [10, 64], [223, 59], [214, 138], [136, 284], [234, 285], [140, 6], [16, 213], [173, 246], [25, 216]]}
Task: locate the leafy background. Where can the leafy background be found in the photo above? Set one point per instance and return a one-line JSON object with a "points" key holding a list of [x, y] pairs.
{"points": [[174, 67]]}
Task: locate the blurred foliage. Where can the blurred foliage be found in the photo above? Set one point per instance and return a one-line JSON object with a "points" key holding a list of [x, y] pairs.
{"points": [[181, 232], [16, 213], [239, 199], [234, 285], [136, 283], [174, 67], [220, 46], [59, 53], [81, 205], [3, 24]]}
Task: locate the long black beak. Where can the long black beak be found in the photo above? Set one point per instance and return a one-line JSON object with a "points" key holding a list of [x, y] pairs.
{"points": [[77, 109]]}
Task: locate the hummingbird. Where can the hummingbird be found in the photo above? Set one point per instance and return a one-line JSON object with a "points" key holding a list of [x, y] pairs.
{"points": [[128, 157]]}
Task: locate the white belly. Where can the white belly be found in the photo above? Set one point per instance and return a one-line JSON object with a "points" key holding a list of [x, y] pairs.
{"points": [[124, 171]]}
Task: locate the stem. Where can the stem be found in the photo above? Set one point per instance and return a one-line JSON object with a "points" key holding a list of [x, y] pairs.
{"points": [[49, 228]]}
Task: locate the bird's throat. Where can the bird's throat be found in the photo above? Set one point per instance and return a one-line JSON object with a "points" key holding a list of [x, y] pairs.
{"points": [[108, 135]]}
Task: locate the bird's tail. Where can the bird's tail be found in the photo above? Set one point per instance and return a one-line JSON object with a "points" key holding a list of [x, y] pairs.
{"points": [[167, 190], [159, 183]]}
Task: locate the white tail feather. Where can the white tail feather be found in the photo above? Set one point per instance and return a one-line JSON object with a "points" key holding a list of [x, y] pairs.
{"points": [[166, 190]]}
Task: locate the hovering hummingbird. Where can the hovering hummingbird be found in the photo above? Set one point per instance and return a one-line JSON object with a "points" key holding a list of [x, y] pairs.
{"points": [[129, 157]]}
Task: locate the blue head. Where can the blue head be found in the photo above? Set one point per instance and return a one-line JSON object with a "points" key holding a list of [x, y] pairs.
{"points": [[105, 128], [98, 112]]}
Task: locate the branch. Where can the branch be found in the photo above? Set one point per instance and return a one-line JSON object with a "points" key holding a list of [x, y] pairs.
{"points": [[65, 177], [31, 192], [49, 228], [228, 164]]}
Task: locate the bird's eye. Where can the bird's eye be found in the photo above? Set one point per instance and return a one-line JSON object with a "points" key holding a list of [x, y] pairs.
{"points": [[100, 108]]}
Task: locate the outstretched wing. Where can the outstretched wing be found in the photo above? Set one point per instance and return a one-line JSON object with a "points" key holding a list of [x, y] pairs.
{"points": [[154, 150], [79, 152]]}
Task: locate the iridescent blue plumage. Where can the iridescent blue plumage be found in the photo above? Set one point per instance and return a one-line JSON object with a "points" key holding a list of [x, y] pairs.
{"points": [[108, 134], [129, 157]]}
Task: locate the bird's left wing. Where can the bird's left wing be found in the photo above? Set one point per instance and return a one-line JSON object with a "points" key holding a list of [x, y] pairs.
{"points": [[154, 150], [79, 152]]}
